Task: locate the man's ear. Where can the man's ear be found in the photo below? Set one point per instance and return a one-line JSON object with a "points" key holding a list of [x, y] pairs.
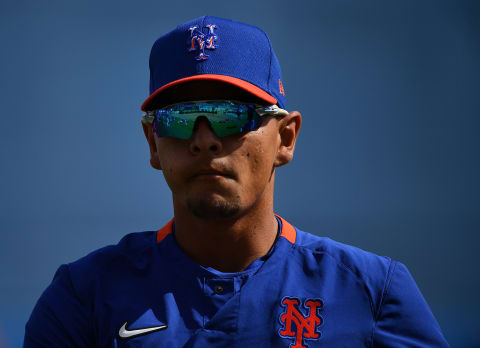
{"points": [[150, 136], [289, 126]]}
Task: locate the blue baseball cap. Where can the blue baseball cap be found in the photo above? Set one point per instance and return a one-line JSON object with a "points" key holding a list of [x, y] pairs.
{"points": [[215, 49]]}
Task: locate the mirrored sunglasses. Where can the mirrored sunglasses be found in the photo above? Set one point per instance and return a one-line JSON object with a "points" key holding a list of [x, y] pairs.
{"points": [[226, 117]]}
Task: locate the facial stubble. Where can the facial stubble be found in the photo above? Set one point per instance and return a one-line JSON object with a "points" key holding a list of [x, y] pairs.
{"points": [[211, 208]]}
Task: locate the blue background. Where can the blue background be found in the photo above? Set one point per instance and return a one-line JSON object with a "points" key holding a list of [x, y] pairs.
{"points": [[387, 159]]}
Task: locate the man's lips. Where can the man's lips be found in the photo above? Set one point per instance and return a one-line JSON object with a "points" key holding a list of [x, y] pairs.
{"points": [[212, 174]]}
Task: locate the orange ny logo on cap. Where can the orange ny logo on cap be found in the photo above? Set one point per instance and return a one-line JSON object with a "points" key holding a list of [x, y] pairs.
{"points": [[199, 39]]}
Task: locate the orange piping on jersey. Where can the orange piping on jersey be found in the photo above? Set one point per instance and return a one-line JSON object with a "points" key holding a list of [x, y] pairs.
{"points": [[288, 231], [164, 231]]}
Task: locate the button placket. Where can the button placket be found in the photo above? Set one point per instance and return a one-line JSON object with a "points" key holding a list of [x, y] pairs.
{"points": [[218, 292], [218, 289]]}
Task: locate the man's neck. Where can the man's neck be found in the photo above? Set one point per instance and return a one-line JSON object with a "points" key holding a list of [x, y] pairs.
{"points": [[227, 245]]}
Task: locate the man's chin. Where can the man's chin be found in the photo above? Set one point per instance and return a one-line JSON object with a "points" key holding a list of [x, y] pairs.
{"points": [[210, 208]]}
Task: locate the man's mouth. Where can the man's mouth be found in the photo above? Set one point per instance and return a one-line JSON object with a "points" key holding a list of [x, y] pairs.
{"points": [[210, 173]]}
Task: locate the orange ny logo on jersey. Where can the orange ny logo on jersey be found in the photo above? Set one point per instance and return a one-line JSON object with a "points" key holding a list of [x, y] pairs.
{"points": [[297, 325]]}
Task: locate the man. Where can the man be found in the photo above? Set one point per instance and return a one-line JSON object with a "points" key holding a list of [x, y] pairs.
{"points": [[226, 271]]}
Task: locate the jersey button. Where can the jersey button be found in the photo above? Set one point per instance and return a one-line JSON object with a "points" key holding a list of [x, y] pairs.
{"points": [[218, 289]]}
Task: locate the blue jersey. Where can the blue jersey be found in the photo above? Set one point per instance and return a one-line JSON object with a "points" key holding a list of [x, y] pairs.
{"points": [[307, 291]]}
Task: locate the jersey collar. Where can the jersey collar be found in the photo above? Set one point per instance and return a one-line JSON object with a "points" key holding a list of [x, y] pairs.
{"points": [[288, 231]]}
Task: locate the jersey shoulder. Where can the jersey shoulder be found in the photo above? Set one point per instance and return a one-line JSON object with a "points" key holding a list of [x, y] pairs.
{"points": [[130, 248], [133, 252], [354, 258], [372, 270], [62, 315], [400, 312]]}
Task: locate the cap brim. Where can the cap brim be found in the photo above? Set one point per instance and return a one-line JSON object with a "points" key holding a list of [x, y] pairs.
{"points": [[242, 84]]}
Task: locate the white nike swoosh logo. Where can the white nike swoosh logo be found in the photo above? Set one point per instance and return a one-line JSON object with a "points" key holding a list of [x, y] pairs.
{"points": [[124, 333]]}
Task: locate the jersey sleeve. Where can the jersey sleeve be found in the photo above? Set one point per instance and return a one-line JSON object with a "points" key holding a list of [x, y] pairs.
{"points": [[404, 318], [60, 318]]}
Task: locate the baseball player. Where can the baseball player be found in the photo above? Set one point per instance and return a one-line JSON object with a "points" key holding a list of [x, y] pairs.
{"points": [[226, 271]]}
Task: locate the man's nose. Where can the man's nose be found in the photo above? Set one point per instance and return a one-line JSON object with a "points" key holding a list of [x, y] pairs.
{"points": [[204, 139]]}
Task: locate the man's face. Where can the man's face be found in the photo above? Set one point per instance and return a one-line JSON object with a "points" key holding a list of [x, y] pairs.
{"points": [[219, 177], [214, 177]]}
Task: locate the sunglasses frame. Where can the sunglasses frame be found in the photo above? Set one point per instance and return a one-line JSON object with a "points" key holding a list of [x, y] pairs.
{"points": [[261, 110]]}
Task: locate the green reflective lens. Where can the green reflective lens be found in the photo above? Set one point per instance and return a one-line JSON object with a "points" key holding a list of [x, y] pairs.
{"points": [[225, 117]]}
